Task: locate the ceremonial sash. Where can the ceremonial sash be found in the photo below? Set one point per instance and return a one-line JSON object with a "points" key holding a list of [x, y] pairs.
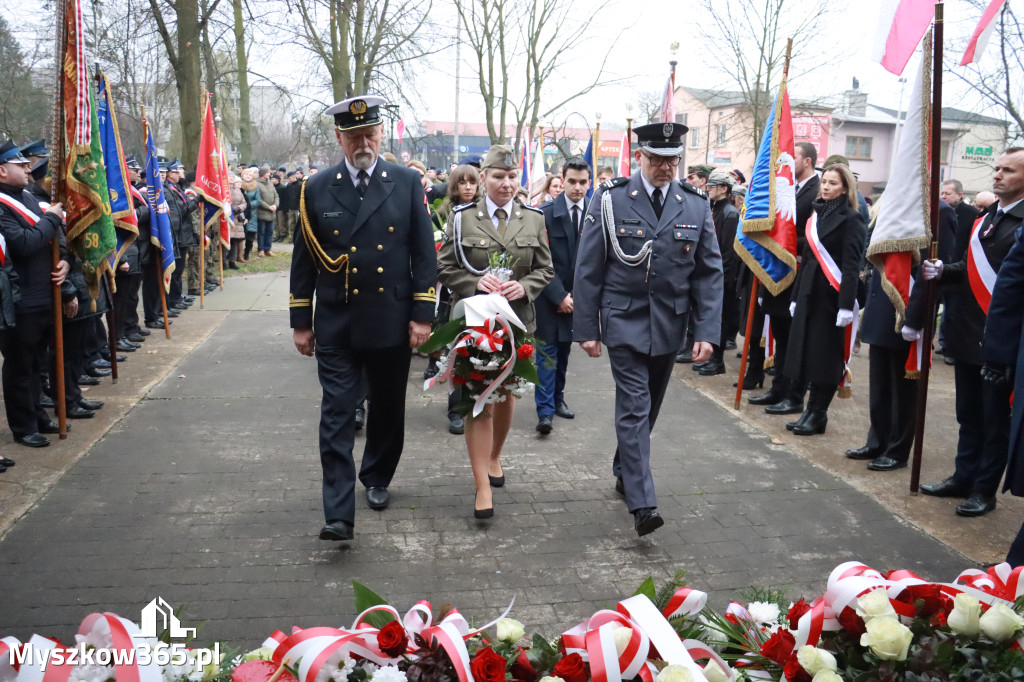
{"points": [[834, 275], [19, 209], [980, 273]]}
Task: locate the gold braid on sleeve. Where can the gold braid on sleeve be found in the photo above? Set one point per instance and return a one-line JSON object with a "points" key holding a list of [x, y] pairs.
{"points": [[333, 265]]}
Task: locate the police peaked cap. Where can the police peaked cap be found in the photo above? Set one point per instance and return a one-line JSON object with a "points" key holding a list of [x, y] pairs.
{"points": [[661, 139], [35, 148], [10, 153]]}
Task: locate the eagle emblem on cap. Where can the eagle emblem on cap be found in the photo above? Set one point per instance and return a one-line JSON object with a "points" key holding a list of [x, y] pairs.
{"points": [[357, 107], [509, 159], [667, 130]]}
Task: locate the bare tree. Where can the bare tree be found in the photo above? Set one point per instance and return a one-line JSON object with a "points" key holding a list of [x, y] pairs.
{"points": [[753, 35], [519, 48]]}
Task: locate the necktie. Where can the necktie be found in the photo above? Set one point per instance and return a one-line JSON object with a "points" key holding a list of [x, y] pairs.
{"points": [[576, 219], [502, 222], [656, 202], [363, 180]]}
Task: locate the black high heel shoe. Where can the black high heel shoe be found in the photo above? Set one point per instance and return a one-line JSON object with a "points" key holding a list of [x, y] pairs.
{"points": [[751, 381], [496, 481], [482, 513]]}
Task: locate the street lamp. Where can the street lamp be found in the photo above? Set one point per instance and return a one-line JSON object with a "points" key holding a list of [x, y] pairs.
{"points": [[392, 110]]}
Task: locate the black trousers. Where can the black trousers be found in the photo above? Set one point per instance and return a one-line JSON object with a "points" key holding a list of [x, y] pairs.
{"points": [[781, 323], [983, 411], [24, 350], [152, 280], [126, 303], [755, 355], [892, 403], [77, 335], [175, 294], [95, 342], [340, 370]]}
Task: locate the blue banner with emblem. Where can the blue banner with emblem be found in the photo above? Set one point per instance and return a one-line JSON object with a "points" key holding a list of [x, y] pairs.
{"points": [[159, 220], [122, 209]]}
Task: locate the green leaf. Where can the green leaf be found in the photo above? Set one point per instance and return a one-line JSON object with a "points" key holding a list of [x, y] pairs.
{"points": [[444, 335], [364, 598], [527, 370], [647, 589]]}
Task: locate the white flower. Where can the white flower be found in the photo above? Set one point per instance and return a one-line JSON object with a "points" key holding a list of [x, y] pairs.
{"points": [[388, 673], [812, 659], [712, 635], [1000, 623], [714, 672], [91, 673], [965, 617], [887, 638], [622, 636], [676, 673], [826, 676], [341, 673], [336, 668], [763, 612], [551, 678], [510, 630], [875, 604]]}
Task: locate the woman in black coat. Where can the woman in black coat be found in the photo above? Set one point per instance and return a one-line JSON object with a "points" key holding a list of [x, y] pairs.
{"points": [[823, 297]]}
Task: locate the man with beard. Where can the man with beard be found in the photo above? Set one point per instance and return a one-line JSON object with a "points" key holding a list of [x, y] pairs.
{"points": [[365, 247]]}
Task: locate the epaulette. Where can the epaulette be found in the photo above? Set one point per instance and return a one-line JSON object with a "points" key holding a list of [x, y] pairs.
{"points": [[694, 190], [532, 208], [463, 207], [614, 182], [546, 203]]}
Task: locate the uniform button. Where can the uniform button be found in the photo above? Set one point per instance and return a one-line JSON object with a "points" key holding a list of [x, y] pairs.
{"points": [[355, 271], [379, 270], [380, 247], [381, 290], [355, 291], [353, 249], [640, 232], [391, 229], [622, 231], [336, 233]]}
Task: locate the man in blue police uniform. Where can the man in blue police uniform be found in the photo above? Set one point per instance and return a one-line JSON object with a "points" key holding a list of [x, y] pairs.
{"points": [[648, 259], [365, 247]]}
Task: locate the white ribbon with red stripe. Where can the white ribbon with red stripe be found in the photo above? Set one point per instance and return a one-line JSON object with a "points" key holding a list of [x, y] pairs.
{"points": [[980, 274], [8, 670], [19, 208]]}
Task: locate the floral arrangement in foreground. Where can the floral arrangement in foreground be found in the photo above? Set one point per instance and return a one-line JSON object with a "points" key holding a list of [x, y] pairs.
{"points": [[490, 354], [868, 626]]}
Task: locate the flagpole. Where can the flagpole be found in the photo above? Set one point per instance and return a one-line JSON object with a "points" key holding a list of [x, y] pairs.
{"points": [[597, 148], [202, 255], [56, 160], [931, 286], [629, 140]]}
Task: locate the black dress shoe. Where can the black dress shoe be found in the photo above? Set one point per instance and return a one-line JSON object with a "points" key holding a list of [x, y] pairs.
{"points": [[712, 368], [948, 360], [730, 344], [159, 324], [135, 338], [173, 312], [769, 398], [86, 380], [544, 425], [786, 406], [696, 367], [76, 412], [496, 481], [684, 357], [431, 371], [862, 453], [886, 464], [751, 381], [33, 440], [620, 487], [6, 462], [2, 468], [950, 487], [978, 504], [121, 357], [126, 346], [378, 498], [647, 520], [51, 427], [90, 404], [143, 332], [98, 372], [337, 531], [102, 364], [456, 424], [563, 411], [46, 401], [181, 306], [360, 418], [814, 424]]}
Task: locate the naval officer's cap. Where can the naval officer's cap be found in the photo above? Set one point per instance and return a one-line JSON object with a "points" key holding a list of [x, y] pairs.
{"points": [[361, 111], [10, 153], [501, 156], [661, 139]]}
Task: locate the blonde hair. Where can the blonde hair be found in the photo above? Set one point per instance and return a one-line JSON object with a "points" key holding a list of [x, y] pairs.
{"points": [[418, 165], [849, 182]]}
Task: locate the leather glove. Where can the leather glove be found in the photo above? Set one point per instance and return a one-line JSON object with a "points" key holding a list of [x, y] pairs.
{"points": [[844, 317], [792, 309], [999, 375], [930, 270], [909, 334]]}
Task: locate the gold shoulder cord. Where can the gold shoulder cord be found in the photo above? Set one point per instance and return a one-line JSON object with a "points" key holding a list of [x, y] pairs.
{"points": [[333, 265]]}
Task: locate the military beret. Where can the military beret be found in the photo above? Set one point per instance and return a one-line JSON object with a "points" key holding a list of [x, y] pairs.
{"points": [[500, 156]]}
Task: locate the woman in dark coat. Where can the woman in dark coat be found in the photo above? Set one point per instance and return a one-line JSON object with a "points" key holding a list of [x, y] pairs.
{"points": [[824, 296]]}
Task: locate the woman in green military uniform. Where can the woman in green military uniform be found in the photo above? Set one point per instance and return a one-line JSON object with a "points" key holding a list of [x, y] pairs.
{"points": [[495, 224]]}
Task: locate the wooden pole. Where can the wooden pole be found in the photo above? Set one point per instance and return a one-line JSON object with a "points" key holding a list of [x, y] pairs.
{"points": [[629, 143], [112, 330], [202, 256], [220, 261], [56, 160], [746, 343], [931, 286]]}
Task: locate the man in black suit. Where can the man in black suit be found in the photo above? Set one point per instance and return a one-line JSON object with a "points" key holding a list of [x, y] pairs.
{"points": [[563, 218], [784, 397], [952, 192], [365, 247]]}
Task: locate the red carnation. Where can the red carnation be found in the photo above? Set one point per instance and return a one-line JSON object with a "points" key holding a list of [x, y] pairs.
{"points": [[476, 376], [392, 639], [796, 612], [779, 646], [851, 622], [524, 351], [571, 669], [795, 672], [488, 666]]}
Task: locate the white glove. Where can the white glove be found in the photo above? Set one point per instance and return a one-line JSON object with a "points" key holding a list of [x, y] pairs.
{"points": [[844, 317], [760, 301], [930, 270], [792, 309], [909, 334]]}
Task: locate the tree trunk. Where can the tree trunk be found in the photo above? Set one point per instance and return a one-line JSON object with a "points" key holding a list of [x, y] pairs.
{"points": [[244, 117], [188, 74]]}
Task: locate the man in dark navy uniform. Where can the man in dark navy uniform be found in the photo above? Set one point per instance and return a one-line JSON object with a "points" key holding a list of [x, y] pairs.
{"points": [[364, 245]]}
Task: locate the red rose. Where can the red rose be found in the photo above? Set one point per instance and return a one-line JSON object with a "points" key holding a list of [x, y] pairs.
{"points": [[571, 669], [476, 376], [524, 351], [795, 672], [522, 669], [392, 639], [851, 622], [488, 666], [796, 612], [933, 601], [779, 646]]}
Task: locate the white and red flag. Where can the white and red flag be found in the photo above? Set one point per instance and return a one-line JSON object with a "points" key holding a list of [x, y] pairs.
{"points": [[624, 154], [668, 106], [901, 25], [401, 129], [982, 32], [902, 227]]}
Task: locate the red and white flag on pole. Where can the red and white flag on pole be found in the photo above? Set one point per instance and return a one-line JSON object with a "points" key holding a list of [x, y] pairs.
{"points": [[901, 25], [668, 106], [624, 154], [982, 32], [401, 129]]}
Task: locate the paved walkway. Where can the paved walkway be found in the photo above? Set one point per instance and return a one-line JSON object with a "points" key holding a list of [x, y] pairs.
{"points": [[207, 493]]}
